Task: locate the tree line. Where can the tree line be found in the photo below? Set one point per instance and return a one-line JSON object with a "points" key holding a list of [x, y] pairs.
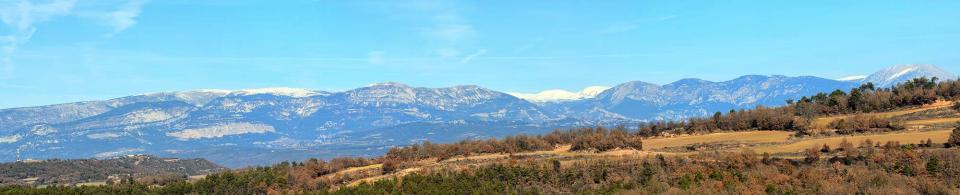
{"points": [[798, 115], [849, 169]]}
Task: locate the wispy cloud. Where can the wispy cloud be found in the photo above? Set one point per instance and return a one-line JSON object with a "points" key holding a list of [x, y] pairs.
{"points": [[472, 56], [376, 57], [125, 17], [440, 23], [530, 45], [22, 16], [633, 24], [450, 33], [448, 52]]}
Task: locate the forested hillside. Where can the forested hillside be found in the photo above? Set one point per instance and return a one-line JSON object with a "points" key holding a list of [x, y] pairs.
{"points": [[143, 169]]}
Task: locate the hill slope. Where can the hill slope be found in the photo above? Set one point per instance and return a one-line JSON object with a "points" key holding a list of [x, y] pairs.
{"points": [[70, 172]]}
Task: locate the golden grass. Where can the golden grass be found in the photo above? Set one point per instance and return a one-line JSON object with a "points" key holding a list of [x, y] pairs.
{"points": [[938, 136], [773, 142], [778, 139], [398, 174], [99, 183], [823, 122], [195, 177], [363, 168], [743, 137], [933, 121]]}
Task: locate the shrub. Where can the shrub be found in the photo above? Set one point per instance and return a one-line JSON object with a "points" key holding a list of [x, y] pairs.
{"points": [[955, 136]]}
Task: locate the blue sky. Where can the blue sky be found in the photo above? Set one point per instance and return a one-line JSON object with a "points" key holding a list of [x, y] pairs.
{"points": [[58, 51]]}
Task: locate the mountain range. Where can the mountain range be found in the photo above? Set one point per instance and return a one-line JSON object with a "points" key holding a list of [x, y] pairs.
{"points": [[263, 126]]}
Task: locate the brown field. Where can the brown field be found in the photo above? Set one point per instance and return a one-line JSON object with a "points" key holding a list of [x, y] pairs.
{"points": [[373, 179], [364, 168], [933, 121], [821, 123], [773, 142], [938, 136], [741, 137], [195, 177]]}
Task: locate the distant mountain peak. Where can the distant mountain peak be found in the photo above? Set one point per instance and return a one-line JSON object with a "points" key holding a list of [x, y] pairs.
{"points": [[689, 81], [755, 77], [899, 73], [555, 95]]}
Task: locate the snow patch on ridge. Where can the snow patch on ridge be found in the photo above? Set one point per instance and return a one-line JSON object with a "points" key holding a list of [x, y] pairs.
{"points": [[221, 130], [901, 73], [556, 95], [146, 116], [42, 130], [853, 78], [118, 152], [279, 91], [107, 135], [9, 139]]}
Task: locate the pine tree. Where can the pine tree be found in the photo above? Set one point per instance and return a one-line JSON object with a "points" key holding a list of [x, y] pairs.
{"points": [[955, 136]]}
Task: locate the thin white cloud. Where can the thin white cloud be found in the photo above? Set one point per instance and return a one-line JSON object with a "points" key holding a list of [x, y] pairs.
{"points": [[448, 52], [125, 17], [22, 16], [472, 56], [450, 33], [375, 57], [530, 45], [119, 18], [447, 34], [439, 22]]}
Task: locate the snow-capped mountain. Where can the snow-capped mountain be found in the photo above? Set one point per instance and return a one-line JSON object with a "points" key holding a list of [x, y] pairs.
{"points": [[900, 73], [557, 95], [199, 122], [693, 97], [263, 126]]}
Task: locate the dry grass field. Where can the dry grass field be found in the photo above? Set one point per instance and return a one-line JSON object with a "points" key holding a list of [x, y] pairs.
{"points": [[737, 137], [933, 121], [821, 123], [937, 136], [773, 142]]}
